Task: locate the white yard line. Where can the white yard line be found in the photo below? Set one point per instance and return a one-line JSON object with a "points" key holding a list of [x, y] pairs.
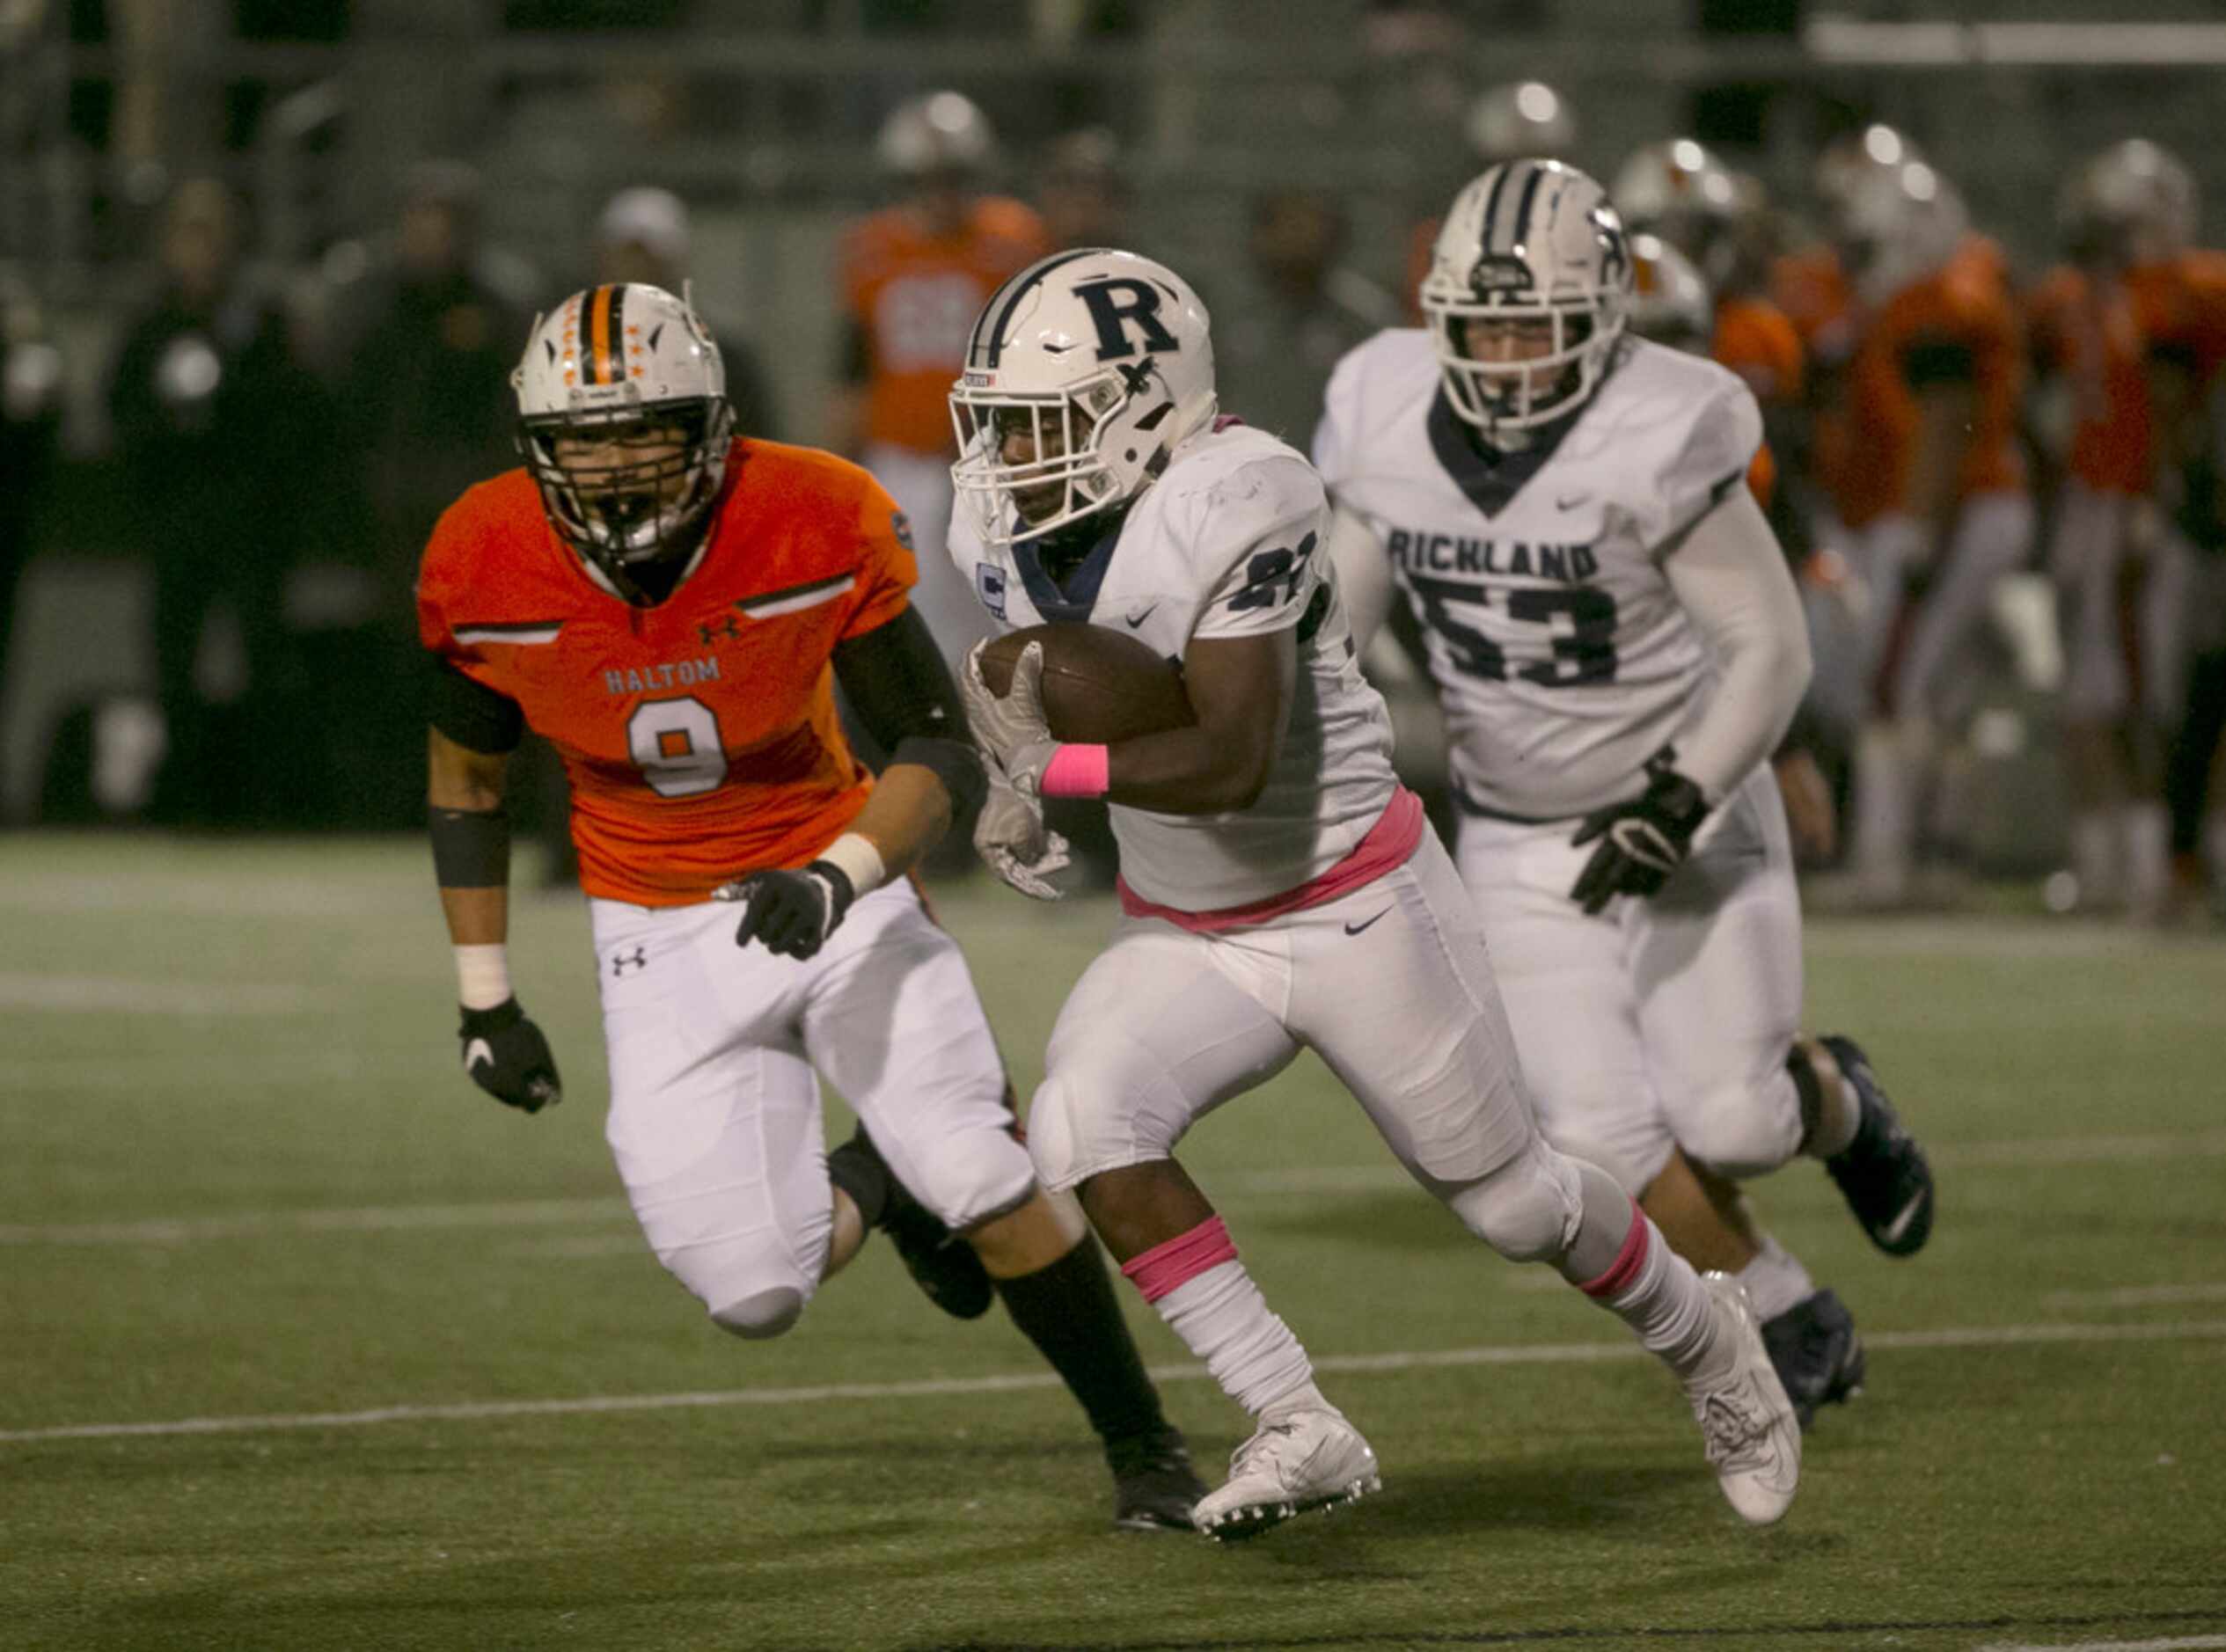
{"points": [[2174, 1643], [128, 994], [1506, 1354], [2135, 1295], [1231, 1187]]}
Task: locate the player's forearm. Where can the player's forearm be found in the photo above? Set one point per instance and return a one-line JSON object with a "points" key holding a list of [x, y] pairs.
{"points": [[908, 811], [1730, 577], [470, 842], [1188, 772]]}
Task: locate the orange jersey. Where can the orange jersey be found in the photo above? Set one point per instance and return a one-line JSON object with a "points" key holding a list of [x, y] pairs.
{"points": [[700, 735], [1757, 341], [2181, 305], [914, 297], [2086, 332], [1811, 289], [1964, 306]]}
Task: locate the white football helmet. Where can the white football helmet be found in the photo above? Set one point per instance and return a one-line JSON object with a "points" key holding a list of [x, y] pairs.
{"points": [[623, 366], [1527, 240], [1671, 303], [1899, 225], [1848, 160], [1518, 118], [1667, 185], [1098, 362], [940, 132], [2134, 200]]}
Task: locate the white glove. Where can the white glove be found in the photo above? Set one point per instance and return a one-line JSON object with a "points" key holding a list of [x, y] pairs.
{"points": [[1012, 727], [1010, 834]]}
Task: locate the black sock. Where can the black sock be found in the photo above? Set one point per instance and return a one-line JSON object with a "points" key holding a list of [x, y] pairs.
{"points": [[858, 1169], [1069, 1313]]}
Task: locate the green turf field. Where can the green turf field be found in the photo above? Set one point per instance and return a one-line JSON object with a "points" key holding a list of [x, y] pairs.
{"points": [[307, 1344]]}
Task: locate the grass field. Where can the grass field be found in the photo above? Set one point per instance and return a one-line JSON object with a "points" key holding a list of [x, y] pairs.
{"points": [[304, 1344]]}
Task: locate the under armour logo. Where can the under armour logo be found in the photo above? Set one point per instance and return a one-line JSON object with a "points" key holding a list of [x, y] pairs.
{"points": [[712, 630], [622, 961]]}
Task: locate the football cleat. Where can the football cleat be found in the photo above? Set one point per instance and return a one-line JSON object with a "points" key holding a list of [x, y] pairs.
{"points": [[1310, 1460], [1816, 1353], [942, 1264], [1882, 1172], [1155, 1487], [1754, 1438]]}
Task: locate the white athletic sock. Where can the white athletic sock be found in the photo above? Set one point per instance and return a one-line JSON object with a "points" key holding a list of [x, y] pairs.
{"points": [[2094, 856], [1656, 1292], [1223, 1319], [2147, 830], [1775, 1280]]}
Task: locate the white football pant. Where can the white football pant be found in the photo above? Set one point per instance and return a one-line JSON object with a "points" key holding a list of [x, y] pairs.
{"points": [[715, 1056], [1665, 1021]]}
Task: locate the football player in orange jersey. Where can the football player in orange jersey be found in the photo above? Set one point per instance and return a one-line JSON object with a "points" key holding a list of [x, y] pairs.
{"points": [[1930, 485], [2121, 589], [913, 278], [669, 604]]}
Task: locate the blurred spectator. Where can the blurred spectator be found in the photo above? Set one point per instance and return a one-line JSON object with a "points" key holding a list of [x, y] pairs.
{"points": [[434, 331], [1298, 310], [914, 277], [643, 235], [30, 424], [1085, 195], [213, 422]]}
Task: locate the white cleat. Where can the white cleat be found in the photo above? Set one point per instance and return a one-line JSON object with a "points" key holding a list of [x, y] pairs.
{"points": [[1752, 1434], [1310, 1460]]}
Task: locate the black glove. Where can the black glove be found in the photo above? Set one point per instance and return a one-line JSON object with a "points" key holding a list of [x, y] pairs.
{"points": [[1642, 841], [507, 1057], [791, 913]]}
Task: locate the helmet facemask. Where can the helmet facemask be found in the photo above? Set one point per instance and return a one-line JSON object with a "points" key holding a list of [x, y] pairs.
{"points": [[630, 487], [1090, 446], [1501, 397]]}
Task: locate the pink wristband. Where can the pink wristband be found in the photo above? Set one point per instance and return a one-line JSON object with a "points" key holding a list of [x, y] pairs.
{"points": [[1078, 772]]}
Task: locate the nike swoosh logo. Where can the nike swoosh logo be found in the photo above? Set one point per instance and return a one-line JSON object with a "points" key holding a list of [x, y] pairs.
{"points": [[1354, 928], [1899, 1225], [477, 1051], [1570, 502], [1141, 615]]}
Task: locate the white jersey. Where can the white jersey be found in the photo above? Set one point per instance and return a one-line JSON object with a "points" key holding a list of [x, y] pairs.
{"points": [[1228, 542], [1563, 658]]}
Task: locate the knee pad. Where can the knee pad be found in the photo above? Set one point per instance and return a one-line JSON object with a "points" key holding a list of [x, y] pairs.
{"points": [[762, 1315], [1529, 1210], [1746, 1130], [1071, 1139]]}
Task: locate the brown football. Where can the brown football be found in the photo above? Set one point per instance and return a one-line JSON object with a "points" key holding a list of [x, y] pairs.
{"points": [[1099, 686]]}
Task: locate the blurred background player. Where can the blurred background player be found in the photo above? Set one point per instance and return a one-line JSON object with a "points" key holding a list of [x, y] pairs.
{"points": [[1505, 122], [646, 547], [913, 278], [2121, 583], [1928, 484], [1568, 513], [644, 234], [1083, 190]]}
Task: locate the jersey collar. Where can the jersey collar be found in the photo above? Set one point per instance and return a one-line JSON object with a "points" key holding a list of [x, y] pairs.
{"points": [[1069, 600], [1489, 477]]}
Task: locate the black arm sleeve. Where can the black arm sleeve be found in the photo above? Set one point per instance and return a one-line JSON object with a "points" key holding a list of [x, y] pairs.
{"points": [[901, 691], [471, 713]]}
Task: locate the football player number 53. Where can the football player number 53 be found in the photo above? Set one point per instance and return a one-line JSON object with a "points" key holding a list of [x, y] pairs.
{"points": [[675, 745]]}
